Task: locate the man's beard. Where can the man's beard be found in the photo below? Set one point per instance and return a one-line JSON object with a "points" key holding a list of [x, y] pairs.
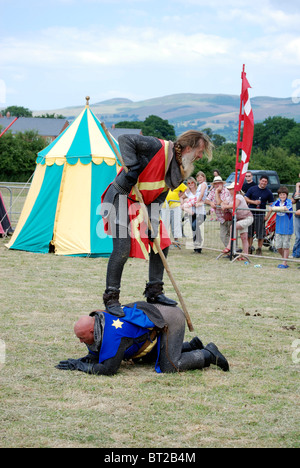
{"points": [[187, 166]]}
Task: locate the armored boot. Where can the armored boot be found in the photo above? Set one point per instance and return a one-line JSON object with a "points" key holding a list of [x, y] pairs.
{"points": [[192, 360], [196, 343], [154, 294], [215, 357], [111, 302]]}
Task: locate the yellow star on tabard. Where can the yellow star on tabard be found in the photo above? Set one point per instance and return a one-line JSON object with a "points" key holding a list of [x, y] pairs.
{"points": [[117, 324]]}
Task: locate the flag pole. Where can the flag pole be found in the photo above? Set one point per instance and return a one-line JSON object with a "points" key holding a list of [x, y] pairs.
{"points": [[238, 147], [8, 126]]}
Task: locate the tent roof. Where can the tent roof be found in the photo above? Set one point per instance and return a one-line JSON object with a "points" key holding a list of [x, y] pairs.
{"points": [[84, 140]]}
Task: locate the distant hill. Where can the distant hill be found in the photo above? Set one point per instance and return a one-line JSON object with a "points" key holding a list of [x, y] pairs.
{"points": [[187, 111]]}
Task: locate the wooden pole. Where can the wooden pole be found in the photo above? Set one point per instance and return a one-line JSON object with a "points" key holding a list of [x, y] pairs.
{"points": [[8, 126], [156, 241]]}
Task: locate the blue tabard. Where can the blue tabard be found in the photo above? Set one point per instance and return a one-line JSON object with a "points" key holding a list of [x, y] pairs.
{"points": [[133, 325]]}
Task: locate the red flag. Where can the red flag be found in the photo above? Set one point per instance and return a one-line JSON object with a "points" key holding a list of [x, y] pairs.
{"points": [[244, 147], [246, 115]]}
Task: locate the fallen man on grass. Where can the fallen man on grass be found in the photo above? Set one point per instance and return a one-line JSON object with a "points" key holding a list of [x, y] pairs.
{"points": [[151, 333]]}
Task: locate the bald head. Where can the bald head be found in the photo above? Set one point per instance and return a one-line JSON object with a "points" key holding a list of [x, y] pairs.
{"points": [[84, 329]]}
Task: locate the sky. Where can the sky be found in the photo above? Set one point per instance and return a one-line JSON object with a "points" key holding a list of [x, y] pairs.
{"points": [[53, 53]]}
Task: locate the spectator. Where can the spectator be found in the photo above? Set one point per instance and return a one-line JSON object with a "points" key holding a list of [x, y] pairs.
{"points": [[199, 214], [171, 212], [298, 216], [284, 224], [296, 200], [258, 197], [216, 196], [296, 195], [190, 196], [212, 212], [244, 219], [249, 182], [202, 189], [189, 206]]}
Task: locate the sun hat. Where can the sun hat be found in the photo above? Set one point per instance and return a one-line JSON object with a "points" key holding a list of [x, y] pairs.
{"points": [[218, 179], [231, 186]]}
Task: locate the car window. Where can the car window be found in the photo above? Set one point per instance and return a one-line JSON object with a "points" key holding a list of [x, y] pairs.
{"points": [[273, 180], [231, 178], [256, 177]]}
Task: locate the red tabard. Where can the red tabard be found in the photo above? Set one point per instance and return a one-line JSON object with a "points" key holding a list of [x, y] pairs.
{"points": [[151, 183]]}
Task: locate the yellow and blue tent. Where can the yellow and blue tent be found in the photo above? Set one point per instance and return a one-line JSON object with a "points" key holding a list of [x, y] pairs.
{"points": [[62, 210]]}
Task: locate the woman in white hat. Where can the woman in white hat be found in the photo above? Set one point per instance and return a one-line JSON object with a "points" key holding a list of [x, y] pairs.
{"points": [[244, 219]]}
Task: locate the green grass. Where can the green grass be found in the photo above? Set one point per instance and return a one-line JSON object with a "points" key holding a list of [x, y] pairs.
{"points": [[251, 314]]}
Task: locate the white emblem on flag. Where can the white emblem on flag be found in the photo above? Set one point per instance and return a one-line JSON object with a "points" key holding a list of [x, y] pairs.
{"points": [[248, 108]]}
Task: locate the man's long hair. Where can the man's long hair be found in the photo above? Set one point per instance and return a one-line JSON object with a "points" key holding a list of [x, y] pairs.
{"points": [[191, 138]]}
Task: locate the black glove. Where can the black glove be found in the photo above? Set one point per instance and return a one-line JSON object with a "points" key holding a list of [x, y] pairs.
{"points": [[89, 358], [133, 174], [76, 364]]}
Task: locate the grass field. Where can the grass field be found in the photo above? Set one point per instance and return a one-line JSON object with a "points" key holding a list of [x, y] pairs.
{"points": [[252, 314]]}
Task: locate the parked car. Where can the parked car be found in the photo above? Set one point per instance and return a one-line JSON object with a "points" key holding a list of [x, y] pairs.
{"points": [[274, 182]]}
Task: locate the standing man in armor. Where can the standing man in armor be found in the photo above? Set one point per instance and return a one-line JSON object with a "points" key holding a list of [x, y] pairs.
{"points": [[155, 166]]}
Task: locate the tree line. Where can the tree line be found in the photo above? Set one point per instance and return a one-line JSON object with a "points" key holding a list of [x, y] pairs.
{"points": [[19, 111], [276, 146]]}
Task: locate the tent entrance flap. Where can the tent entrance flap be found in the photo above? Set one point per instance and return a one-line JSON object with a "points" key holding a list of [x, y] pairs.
{"points": [[37, 231], [72, 224]]}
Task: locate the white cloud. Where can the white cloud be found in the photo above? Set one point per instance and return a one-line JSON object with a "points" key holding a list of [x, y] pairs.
{"points": [[2, 92], [292, 48], [269, 20], [122, 47], [72, 47], [150, 47]]}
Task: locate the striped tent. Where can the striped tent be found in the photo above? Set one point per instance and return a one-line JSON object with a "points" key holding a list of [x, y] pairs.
{"points": [[62, 210]]}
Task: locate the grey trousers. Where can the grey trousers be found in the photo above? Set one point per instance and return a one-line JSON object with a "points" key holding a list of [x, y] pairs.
{"points": [[172, 359]]}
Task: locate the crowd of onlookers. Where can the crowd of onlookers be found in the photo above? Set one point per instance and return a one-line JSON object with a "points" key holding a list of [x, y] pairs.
{"points": [[254, 204]]}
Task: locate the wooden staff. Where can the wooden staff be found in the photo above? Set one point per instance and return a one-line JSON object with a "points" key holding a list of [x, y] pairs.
{"points": [[156, 241]]}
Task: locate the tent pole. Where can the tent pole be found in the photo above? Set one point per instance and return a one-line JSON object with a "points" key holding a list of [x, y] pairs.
{"points": [[156, 241]]}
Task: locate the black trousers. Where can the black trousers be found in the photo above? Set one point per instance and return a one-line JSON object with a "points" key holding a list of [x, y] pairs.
{"points": [[118, 219], [119, 257]]}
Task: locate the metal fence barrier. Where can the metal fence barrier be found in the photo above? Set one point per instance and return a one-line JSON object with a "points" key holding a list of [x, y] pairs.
{"points": [[14, 195], [269, 240], [210, 235]]}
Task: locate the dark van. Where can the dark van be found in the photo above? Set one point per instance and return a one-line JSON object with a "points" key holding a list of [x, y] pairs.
{"points": [[274, 182]]}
